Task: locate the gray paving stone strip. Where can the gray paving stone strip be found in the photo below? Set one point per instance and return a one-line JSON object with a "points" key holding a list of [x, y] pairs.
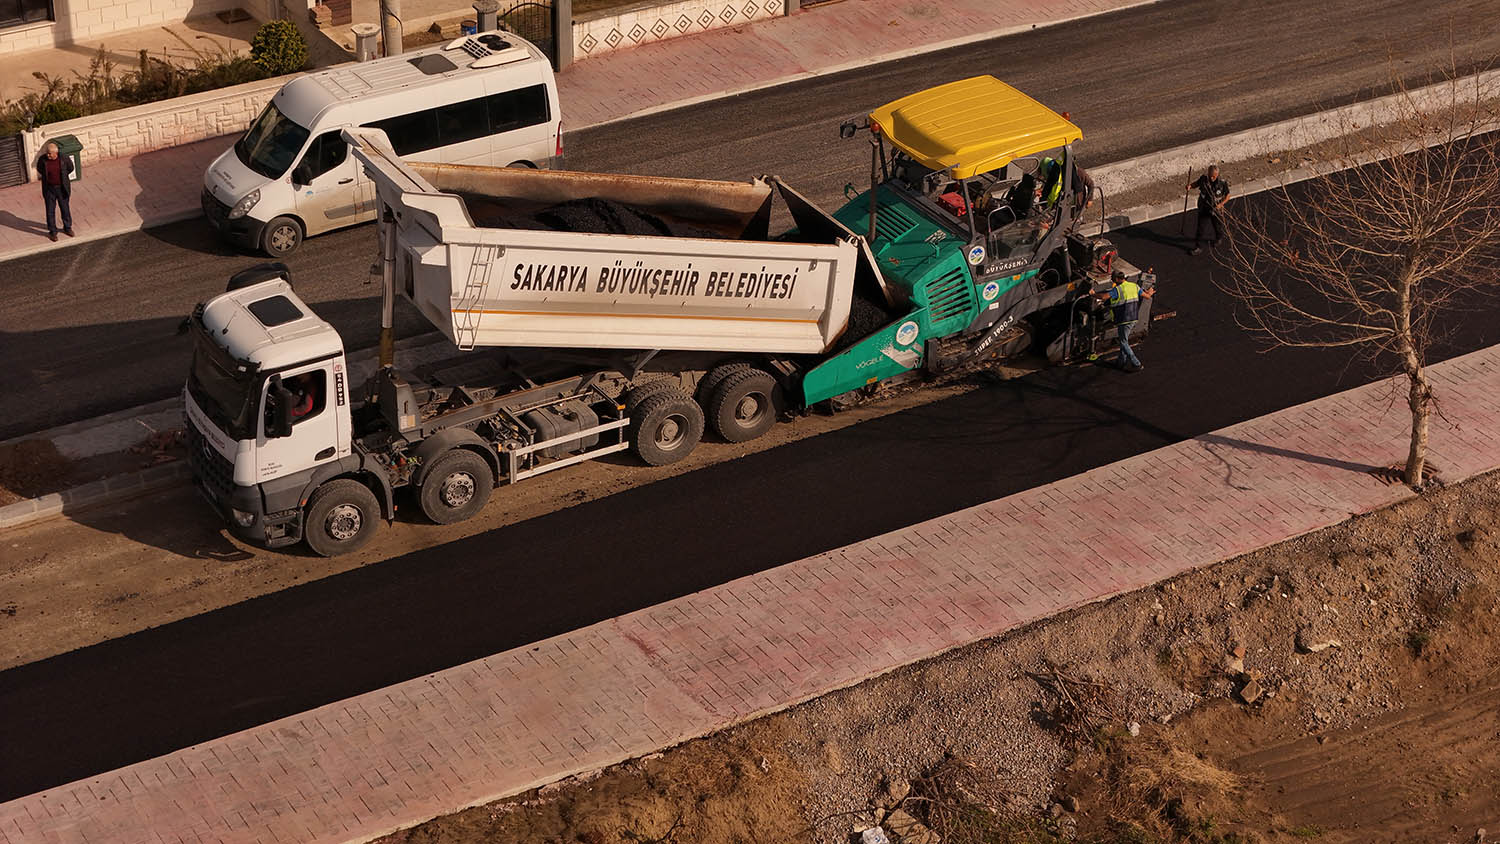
{"points": [[362, 767]]}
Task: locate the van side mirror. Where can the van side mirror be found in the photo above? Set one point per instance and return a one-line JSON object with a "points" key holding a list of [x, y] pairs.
{"points": [[302, 174], [278, 410]]}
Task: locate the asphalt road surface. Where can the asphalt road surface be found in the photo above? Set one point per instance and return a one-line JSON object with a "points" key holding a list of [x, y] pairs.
{"points": [[91, 329], [146, 694]]}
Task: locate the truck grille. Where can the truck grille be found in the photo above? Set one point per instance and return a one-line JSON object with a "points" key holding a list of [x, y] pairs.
{"points": [[213, 209], [948, 296], [209, 466], [893, 221]]}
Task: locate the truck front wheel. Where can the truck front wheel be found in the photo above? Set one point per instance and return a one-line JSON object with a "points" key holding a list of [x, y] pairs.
{"points": [[665, 427], [456, 486], [341, 517], [743, 405]]}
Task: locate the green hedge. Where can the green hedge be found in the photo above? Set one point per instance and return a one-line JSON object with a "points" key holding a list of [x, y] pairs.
{"points": [[278, 48]]}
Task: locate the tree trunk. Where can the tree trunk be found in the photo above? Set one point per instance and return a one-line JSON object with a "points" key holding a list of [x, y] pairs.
{"points": [[1418, 399], [1419, 395]]}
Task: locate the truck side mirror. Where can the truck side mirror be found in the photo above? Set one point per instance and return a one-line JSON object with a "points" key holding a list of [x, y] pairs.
{"points": [[279, 404]]}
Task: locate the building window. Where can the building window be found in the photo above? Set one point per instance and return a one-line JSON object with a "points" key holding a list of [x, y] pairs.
{"points": [[17, 12]]}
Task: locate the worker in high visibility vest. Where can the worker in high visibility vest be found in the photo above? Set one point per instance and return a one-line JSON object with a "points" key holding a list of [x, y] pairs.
{"points": [[1125, 306], [1050, 171]]}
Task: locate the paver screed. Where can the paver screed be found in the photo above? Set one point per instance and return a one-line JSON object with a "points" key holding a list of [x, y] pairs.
{"points": [[377, 762]]}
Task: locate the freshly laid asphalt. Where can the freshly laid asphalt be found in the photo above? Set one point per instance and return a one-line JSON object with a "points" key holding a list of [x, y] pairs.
{"points": [[142, 695], [91, 329]]}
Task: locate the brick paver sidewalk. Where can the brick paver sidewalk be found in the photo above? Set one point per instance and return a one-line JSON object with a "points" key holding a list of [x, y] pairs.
{"points": [[159, 187], [391, 758]]}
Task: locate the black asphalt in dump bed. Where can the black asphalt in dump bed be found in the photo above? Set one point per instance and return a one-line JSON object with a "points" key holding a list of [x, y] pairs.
{"points": [[143, 695]]}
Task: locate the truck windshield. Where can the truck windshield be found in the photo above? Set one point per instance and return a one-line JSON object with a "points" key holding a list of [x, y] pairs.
{"points": [[271, 143], [227, 395]]}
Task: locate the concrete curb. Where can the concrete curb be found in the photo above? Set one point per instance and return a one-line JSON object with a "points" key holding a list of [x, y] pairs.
{"points": [[107, 491], [120, 487], [1307, 130]]}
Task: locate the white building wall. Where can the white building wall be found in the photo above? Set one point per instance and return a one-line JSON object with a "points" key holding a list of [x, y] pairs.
{"points": [[78, 20]]}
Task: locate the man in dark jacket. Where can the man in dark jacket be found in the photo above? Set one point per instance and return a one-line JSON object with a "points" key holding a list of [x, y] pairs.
{"points": [[53, 171], [1213, 192]]}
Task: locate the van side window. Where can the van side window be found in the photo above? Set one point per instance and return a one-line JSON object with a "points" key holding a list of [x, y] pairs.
{"points": [[410, 133], [518, 109], [325, 153], [465, 121], [458, 122]]}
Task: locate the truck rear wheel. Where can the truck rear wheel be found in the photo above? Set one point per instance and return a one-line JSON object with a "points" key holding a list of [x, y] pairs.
{"points": [[666, 427], [743, 406], [716, 376], [640, 392], [341, 517], [455, 486]]}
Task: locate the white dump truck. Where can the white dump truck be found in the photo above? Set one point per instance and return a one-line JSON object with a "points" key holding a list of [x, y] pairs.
{"points": [[621, 312]]}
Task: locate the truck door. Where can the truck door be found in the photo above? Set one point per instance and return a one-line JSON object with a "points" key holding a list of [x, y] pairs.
{"points": [[315, 429], [330, 186]]}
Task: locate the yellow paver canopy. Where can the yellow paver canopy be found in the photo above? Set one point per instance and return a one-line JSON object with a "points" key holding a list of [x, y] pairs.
{"points": [[972, 126]]}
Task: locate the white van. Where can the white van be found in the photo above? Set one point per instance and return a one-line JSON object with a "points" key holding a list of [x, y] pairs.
{"points": [[484, 99]]}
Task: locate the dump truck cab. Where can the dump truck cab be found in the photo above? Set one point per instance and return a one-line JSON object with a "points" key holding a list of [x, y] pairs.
{"points": [[267, 405]]}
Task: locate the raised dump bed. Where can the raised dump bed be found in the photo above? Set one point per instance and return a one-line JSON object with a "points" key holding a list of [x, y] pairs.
{"points": [[682, 264]]}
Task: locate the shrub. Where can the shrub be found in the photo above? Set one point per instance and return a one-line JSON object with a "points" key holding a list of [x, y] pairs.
{"points": [[55, 111], [101, 89], [278, 48]]}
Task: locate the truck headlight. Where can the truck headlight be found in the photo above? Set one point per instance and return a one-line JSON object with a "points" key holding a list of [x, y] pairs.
{"points": [[243, 519], [246, 202]]}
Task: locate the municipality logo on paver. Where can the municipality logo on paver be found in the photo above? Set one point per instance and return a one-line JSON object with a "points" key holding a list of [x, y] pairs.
{"points": [[907, 333]]}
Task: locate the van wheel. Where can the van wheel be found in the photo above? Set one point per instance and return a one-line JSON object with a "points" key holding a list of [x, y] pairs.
{"points": [[666, 427], [282, 237], [744, 405], [456, 486], [524, 165], [341, 517]]}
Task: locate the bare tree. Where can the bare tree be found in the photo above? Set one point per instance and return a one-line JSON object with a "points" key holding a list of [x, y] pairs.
{"points": [[1376, 252]]}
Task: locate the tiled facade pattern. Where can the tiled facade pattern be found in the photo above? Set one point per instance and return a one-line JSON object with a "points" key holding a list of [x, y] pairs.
{"points": [[671, 20], [364, 766]]}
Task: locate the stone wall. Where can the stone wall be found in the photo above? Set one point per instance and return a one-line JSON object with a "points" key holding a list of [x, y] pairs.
{"points": [[128, 131], [79, 20], [650, 21]]}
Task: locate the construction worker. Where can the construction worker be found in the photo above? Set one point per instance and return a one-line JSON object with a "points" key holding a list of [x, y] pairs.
{"points": [[1125, 305], [1050, 173], [1213, 192]]}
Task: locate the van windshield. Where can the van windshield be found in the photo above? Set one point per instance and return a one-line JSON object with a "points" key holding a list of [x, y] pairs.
{"points": [[271, 143]]}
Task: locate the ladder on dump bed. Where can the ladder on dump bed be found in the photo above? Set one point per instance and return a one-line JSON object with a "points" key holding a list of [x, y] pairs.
{"points": [[469, 311]]}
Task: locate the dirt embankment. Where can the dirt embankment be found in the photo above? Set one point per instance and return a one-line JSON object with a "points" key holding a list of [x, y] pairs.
{"points": [[32, 468], [1365, 652]]}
